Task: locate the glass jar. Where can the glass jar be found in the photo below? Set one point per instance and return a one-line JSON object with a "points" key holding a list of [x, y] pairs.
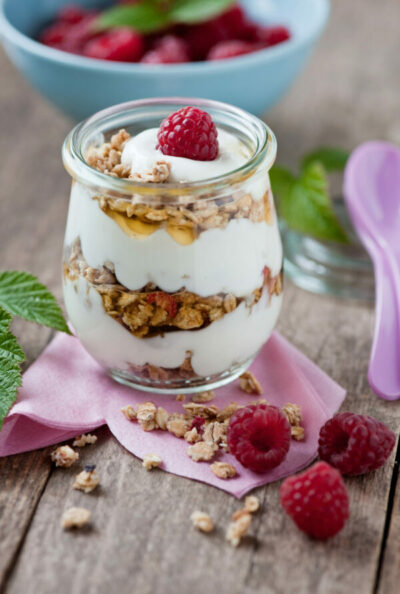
{"points": [[172, 287]]}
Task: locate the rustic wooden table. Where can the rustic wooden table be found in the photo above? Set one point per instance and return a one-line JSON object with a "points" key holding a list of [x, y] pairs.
{"points": [[142, 540]]}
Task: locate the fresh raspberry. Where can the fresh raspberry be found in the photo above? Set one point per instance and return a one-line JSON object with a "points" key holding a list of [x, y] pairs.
{"points": [[316, 500], [189, 132], [230, 49], [235, 22], [164, 301], [259, 436], [269, 36], [54, 35], [198, 423], [118, 45], [355, 444], [71, 14], [167, 50]]}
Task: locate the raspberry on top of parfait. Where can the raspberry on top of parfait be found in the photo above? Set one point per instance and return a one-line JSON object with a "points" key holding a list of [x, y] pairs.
{"points": [[189, 132]]}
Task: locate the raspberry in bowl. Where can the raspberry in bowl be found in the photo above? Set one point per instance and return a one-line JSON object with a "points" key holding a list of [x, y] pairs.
{"points": [[173, 259]]}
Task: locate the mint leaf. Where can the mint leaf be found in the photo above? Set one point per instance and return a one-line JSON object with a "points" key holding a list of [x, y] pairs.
{"points": [[21, 294], [195, 11], [148, 16], [304, 203], [11, 355], [333, 159], [144, 17]]}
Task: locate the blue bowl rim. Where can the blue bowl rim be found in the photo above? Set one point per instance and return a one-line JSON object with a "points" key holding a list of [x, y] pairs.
{"points": [[14, 36]]}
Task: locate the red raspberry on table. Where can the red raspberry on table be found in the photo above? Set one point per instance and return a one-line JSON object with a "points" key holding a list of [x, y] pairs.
{"points": [[355, 444], [189, 132], [231, 49], [269, 36], [118, 45], [167, 50], [316, 500], [259, 436], [164, 301]]}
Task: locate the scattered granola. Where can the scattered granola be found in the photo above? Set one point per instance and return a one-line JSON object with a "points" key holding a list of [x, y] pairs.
{"points": [[215, 432], [64, 456], [202, 451], [292, 413], [84, 439], [202, 521], [75, 517], [158, 175], [129, 412], [223, 470], [192, 436], [238, 528], [294, 417], [251, 504], [249, 383], [87, 480], [146, 415], [203, 396], [226, 413], [201, 410], [180, 397], [162, 418], [297, 433], [151, 461], [178, 424]]}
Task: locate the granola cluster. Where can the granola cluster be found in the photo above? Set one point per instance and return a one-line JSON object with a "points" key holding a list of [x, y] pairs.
{"points": [[64, 456], [75, 517], [87, 480], [150, 311]]}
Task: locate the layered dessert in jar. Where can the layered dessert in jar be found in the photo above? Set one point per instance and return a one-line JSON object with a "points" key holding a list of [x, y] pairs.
{"points": [[173, 261]]}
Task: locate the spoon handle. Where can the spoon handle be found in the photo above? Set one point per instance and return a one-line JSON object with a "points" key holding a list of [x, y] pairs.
{"points": [[384, 366]]}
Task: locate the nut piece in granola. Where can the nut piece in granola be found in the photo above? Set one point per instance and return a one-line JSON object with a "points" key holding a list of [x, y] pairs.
{"points": [[75, 517], [129, 412], [292, 413], [203, 396], [238, 528], [146, 415], [178, 425], [192, 436], [223, 470], [202, 451], [87, 480], [297, 433], [248, 383], [85, 439], [251, 504], [151, 461], [202, 521], [64, 456]]}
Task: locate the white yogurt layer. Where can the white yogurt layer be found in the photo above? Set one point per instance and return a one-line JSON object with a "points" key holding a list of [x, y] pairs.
{"points": [[230, 340], [140, 154], [229, 260]]}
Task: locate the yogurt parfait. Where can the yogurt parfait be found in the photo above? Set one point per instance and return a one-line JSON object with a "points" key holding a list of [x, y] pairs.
{"points": [[173, 261]]}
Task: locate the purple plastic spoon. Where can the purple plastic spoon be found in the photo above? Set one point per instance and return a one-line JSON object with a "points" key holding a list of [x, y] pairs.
{"points": [[372, 195]]}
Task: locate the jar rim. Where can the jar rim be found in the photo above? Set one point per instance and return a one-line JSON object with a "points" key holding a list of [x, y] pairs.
{"points": [[77, 166]]}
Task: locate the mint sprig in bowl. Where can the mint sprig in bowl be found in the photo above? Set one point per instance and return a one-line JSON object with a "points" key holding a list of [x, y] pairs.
{"points": [[80, 86], [22, 295], [322, 252]]}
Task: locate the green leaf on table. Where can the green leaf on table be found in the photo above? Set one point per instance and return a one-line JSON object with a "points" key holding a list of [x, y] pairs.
{"points": [[21, 294], [148, 16], [11, 355], [333, 159], [144, 17], [196, 11], [304, 202]]}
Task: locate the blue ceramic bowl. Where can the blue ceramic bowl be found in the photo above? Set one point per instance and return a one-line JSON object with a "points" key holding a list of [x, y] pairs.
{"points": [[80, 86]]}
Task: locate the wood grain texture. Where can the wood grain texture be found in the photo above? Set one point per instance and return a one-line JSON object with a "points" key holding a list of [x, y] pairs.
{"points": [[141, 538]]}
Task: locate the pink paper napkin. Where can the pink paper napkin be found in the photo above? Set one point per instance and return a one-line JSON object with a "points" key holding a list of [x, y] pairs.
{"points": [[65, 393]]}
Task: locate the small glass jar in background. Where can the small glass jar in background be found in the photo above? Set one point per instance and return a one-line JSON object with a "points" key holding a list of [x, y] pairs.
{"points": [[172, 286]]}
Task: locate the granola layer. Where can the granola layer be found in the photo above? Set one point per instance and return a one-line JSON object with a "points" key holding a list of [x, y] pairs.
{"points": [[151, 311]]}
